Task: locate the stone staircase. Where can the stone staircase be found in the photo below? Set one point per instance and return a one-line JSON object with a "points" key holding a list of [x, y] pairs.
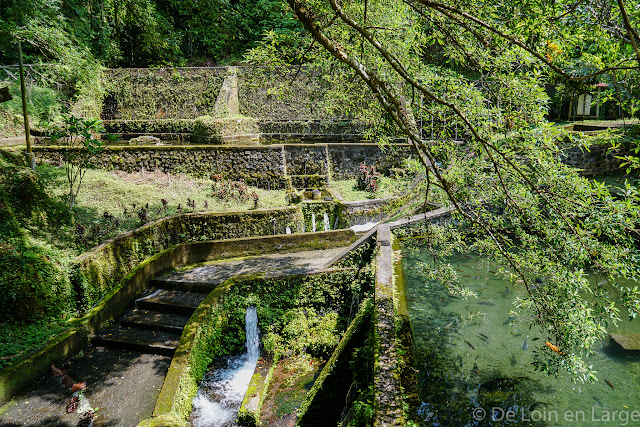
{"points": [[155, 323]]}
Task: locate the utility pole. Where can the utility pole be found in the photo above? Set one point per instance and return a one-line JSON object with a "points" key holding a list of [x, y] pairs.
{"points": [[31, 159]]}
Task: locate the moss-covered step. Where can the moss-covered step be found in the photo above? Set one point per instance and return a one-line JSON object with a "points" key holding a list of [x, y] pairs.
{"points": [[142, 340], [153, 320], [170, 301]]}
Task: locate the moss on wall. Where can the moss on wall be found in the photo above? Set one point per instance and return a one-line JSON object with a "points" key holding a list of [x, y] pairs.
{"points": [[98, 271], [328, 394], [217, 326], [149, 127], [167, 93], [208, 129]]}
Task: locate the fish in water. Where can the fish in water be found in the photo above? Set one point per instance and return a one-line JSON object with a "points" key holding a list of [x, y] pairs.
{"points": [[506, 290], [554, 348], [492, 272], [475, 369], [520, 282], [597, 401], [525, 344], [483, 336], [609, 384], [448, 325], [485, 297], [466, 275], [535, 339], [482, 289], [476, 277], [470, 345], [486, 303]]}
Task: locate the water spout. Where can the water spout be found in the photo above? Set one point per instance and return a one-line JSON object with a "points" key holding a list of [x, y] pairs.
{"points": [[228, 386], [313, 222], [327, 226], [288, 230]]}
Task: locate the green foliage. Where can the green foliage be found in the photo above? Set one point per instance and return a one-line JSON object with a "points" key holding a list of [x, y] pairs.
{"points": [[33, 276], [304, 331], [473, 107], [300, 315], [19, 339]]}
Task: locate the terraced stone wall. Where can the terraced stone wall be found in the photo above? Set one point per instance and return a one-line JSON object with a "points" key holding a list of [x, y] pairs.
{"points": [[161, 93], [268, 166]]}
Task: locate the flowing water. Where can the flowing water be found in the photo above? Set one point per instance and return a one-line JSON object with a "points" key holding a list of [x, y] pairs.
{"points": [[327, 226], [473, 355], [313, 222], [221, 393], [288, 230]]}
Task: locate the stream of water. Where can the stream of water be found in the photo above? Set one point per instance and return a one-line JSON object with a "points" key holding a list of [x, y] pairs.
{"points": [[221, 393]]}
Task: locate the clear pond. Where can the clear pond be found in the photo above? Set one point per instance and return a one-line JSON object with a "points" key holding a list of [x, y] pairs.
{"points": [[472, 354]]}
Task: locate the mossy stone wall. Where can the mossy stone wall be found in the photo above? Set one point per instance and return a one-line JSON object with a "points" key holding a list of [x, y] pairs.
{"points": [[161, 93], [259, 166], [597, 160], [96, 272], [265, 166], [345, 159]]}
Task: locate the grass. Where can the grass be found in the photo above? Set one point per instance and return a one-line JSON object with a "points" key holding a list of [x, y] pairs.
{"points": [[387, 187], [110, 202]]}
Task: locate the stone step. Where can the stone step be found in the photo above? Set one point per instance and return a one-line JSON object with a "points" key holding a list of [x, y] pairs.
{"points": [[183, 285], [142, 340], [155, 321], [170, 301]]}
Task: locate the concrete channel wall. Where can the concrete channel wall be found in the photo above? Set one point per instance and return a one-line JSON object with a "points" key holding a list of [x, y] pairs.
{"points": [[20, 375], [388, 403]]}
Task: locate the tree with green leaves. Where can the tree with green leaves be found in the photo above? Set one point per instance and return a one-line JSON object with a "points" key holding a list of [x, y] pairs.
{"points": [[79, 139], [464, 82]]}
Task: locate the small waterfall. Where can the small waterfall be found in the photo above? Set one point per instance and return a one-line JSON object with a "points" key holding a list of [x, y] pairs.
{"points": [[327, 226], [313, 222], [288, 230], [221, 393]]}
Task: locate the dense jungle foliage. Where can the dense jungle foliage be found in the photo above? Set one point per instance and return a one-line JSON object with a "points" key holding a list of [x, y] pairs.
{"points": [[141, 33]]}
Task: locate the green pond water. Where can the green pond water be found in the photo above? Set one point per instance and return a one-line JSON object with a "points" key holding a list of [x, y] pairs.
{"points": [[471, 358]]}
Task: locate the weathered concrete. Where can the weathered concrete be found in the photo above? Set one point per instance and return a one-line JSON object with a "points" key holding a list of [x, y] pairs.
{"points": [[12, 142], [216, 272], [386, 375], [123, 385], [627, 341]]}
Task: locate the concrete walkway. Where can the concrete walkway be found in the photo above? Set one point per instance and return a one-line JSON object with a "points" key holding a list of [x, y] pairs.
{"points": [[272, 265], [124, 385]]}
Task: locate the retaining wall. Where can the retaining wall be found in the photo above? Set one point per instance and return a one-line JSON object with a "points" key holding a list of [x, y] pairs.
{"points": [[594, 161], [265, 166]]}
